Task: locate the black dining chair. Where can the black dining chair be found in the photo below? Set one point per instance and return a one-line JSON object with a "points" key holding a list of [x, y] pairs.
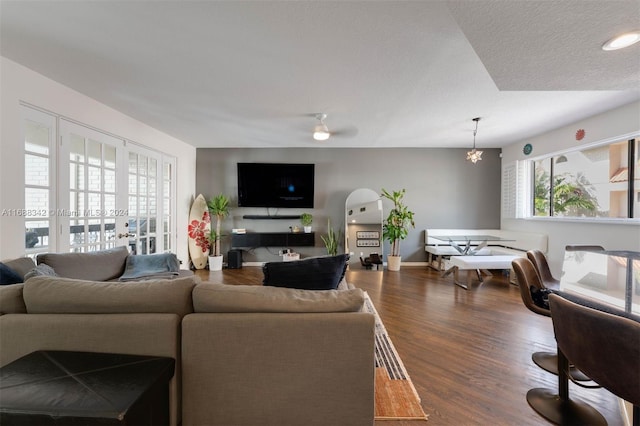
{"points": [[609, 353]]}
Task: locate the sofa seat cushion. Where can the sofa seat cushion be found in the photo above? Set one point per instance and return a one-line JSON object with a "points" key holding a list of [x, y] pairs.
{"points": [[223, 298], [55, 295], [100, 265], [314, 273]]}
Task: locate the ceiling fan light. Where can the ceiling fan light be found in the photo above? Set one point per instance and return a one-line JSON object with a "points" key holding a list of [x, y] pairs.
{"points": [[321, 132], [622, 41]]}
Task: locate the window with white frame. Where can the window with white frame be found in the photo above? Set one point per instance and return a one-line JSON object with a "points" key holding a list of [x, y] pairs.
{"points": [[601, 181]]}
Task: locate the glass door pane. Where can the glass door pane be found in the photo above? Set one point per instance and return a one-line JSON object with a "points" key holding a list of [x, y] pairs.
{"points": [[95, 217], [39, 160], [143, 195]]}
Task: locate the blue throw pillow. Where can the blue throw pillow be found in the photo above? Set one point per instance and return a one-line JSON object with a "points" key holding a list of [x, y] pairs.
{"points": [[314, 273], [8, 275]]}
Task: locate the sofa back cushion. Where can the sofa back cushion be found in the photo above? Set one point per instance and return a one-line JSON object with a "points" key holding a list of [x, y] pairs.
{"points": [[222, 298], [314, 273], [11, 301], [55, 295], [103, 265]]}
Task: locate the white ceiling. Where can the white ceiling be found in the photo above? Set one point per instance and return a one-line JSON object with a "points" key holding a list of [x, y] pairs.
{"points": [[387, 73]]}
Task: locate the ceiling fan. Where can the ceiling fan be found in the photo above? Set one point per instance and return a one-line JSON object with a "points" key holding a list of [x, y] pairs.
{"points": [[321, 131]]}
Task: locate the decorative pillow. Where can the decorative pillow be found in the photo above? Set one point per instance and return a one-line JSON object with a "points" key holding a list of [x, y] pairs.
{"points": [[41, 270], [8, 275], [314, 273], [20, 265]]}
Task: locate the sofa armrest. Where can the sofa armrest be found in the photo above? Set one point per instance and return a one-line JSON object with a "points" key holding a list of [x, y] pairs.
{"points": [[278, 368]]}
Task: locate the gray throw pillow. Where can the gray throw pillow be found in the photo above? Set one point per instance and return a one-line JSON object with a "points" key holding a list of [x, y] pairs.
{"points": [[41, 270]]}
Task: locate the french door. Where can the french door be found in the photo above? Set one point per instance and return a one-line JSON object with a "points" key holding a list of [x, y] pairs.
{"points": [[93, 191], [94, 208]]}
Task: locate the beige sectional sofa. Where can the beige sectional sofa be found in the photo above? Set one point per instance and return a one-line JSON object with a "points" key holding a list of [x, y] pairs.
{"points": [[245, 355]]}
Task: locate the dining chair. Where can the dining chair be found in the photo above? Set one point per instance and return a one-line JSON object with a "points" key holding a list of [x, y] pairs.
{"points": [[609, 353], [375, 259], [529, 282], [578, 247], [539, 261]]}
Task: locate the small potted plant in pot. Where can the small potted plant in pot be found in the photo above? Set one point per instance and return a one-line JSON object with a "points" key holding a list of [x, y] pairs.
{"points": [[306, 219], [396, 227], [218, 208]]}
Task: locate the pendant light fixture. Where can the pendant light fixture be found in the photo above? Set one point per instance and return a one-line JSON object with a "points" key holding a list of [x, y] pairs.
{"points": [[474, 155]]}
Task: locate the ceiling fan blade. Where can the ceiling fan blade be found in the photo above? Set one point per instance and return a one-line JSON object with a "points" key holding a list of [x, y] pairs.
{"points": [[344, 132]]}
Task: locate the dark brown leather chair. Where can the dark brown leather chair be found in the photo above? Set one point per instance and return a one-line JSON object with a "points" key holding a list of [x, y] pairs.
{"points": [[573, 247], [528, 280], [539, 260], [609, 352]]}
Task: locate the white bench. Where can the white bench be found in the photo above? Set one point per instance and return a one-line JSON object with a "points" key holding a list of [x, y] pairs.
{"points": [[475, 264]]}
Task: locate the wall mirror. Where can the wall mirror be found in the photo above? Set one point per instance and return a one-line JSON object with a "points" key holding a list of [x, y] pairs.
{"points": [[363, 226]]}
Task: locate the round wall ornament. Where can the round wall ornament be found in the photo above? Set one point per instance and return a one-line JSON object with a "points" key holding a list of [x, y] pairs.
{"points": [[580, 134], [527, 149]]}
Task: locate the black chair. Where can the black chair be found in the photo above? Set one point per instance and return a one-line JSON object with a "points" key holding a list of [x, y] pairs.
{"points": [[539, 260], [609, 353], [375, 259], [366, 263]]}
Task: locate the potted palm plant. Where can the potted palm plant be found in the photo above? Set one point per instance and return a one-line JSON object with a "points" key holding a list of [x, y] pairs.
{"points": [[396, 227], [306, 219], [218, 208]]}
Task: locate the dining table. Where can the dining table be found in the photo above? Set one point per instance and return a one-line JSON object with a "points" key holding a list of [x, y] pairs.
{"points": [[469, 245]]}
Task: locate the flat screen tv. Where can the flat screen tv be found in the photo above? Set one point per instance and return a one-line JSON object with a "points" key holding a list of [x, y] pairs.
{"points": [[275, 185]]}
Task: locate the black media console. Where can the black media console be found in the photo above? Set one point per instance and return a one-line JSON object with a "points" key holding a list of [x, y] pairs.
{"points": [[273, 239]]}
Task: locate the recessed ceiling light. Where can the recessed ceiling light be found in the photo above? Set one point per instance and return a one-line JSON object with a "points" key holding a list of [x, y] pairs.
{"points": [[622, 41]]}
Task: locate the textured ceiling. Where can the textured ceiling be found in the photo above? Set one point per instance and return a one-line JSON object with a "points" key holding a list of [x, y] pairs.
{"points": [[387, 73]]}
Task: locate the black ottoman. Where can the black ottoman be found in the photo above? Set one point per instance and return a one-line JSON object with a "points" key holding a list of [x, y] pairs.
{"points": [[85, 388]]}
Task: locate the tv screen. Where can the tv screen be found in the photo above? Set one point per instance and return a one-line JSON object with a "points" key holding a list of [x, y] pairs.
{"points": [[275, 185]]}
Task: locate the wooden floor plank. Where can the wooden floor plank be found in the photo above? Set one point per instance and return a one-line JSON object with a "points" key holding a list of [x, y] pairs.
{"points": [[468, 352]]}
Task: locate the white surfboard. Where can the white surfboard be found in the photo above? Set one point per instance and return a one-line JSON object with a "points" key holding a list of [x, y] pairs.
{"points": [[199, 227]]}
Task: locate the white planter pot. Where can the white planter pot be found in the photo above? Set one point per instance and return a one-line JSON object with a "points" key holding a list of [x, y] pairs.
{"points": [[393, 263], [307, 229], [215, 263]]}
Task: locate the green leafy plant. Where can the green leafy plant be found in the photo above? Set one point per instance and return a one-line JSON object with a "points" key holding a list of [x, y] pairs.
{"points": [[571, 195], [396, 227], [331, 240], [306, 219], [218, 207]]}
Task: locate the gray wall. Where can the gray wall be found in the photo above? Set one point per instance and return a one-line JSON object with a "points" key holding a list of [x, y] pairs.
{"points": [[443, 189]]}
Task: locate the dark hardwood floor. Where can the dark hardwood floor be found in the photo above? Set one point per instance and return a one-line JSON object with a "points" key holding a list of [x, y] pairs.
{"points": [[467, 352]]}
